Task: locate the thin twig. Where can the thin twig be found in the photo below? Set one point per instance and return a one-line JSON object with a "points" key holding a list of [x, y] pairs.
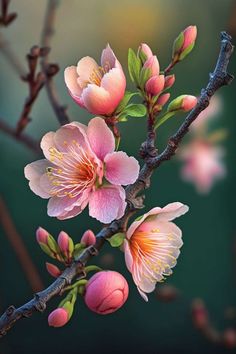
{"points": [[23, 138], [219, 78], [47, 33], [6, 17], [19, 248]]}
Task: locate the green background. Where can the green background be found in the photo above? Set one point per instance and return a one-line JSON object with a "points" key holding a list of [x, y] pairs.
{"points": [[206, 267]]}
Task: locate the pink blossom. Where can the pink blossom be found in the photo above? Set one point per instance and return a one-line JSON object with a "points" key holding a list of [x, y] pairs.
{"points": [[202, 164], [58, 317], [81, 168], [106, 292], [155, 85], [190, 35], [99, 89], [53, 270], [88, 238], [152, 246]]}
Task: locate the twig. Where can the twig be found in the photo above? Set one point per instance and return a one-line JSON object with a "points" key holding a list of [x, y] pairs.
{"points": [[19, 248], [47, 32], [23, 138], [6, 18], [219, 78]]}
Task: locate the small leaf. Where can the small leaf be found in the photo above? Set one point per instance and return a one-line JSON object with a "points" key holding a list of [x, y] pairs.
{"points": [[135, 110], [139, 218], [117, 239], [163, 119], [71, 246], [134, 66], [53, 244], [144, 76], [78, 249], [92, 268], [186, 51], [128, 95], [178, 43], [46, 250]]}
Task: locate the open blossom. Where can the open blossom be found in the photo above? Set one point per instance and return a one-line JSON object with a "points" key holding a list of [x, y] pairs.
{"points": [[82, 168], [152, 246], [99, 89], [203, 164]]}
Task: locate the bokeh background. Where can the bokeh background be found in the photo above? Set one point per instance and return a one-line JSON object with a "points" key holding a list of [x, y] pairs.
{"points": [[206, 267]]}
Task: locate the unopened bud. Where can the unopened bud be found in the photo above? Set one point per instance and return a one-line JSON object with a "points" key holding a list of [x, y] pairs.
{"points": [[183, 102], [88, 238], [162, 100], [155, 85], [53, 270], [58, 317], [144, 52], [65, 244], [42, 236], [169, 81], [152, 63], [184, 43]]}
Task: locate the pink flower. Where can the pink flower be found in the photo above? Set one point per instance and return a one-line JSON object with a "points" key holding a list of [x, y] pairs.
{"points": [[106, 292], [152, 246], [202, 164], [99, 89], [82, 168], [58, 317], [88, 238], [214, 108], [155, 85]]}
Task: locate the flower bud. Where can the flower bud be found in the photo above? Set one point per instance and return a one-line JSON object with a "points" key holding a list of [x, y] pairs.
{"points": [[53, 270], [144, 52], [152, 63], [155, 85], [58, 317], [106, 292], [184, 43], [88, 238], [190, 35], [169, 81], [65, 244], [183, 102], [163, 99], [42, 236]]}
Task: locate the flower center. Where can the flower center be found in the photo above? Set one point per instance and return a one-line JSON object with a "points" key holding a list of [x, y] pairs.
{"points": [[75, 171], [98, 73]]}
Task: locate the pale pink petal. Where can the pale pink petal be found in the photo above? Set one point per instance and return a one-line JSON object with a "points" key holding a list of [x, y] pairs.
{"points": [[108, 58], [136, 224], [33, 173], [69, 134], [128, 256], [86, 68], [114, 82], [144, 296], [100, 137], [120, 168], [73, 212], [106, 203], [97, 100], [78, 100], [172, 211], [47, 142], [70, 76]]}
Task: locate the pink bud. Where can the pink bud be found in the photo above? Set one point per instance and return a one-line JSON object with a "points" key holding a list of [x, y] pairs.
{"points": [[53, 270], [153, 64], [229, 338], [190, 35], [88, 238], [146, 50], [155, 85], [169, 81], [188, 103], [58, 317], [106, 292], [42, 235], [163, 99], [63, 241]]}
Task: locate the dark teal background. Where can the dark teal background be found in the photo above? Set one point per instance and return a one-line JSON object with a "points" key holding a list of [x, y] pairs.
{"points": [[206, 267]]}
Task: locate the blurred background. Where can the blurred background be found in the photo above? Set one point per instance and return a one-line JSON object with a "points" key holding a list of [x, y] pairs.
{"points": [[206, 267]]}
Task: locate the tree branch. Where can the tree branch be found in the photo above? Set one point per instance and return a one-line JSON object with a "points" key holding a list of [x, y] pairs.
{"points": [[219, 78], [47, 33]]}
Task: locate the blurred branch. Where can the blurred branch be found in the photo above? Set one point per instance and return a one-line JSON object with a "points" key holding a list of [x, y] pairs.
{"points": [[6, 17], [19, 248], [23, 138], [219, 78], [47, 33]]}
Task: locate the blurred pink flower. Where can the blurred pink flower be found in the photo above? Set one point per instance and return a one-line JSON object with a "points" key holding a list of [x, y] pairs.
{"points": [[99, 89], [202, 164], [152, 246], [106, 292], [209, 113], [82, 168]]}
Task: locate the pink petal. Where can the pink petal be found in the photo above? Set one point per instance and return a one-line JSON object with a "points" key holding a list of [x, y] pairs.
{"points": [[100, 137], [33, 173], [97, 100], [86, 67], [136, 224], [70, 76], [114, 82], [172, 211], [47, 142], [107, 203], [58, 205], [144, 296], [120, 168], [128, 256], [65, 136], [108, 58]]}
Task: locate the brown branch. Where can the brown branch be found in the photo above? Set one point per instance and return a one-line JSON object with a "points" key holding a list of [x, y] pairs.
{"points": [[6, 17], [23, 138], [47, 33], [19, 248], [219, 78]]}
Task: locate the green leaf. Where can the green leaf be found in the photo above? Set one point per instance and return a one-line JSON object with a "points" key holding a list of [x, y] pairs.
{"points": [[78, 249], [46, 250], [134, 66], [128, 95], [139, 218], [186, 51], [52, 244], [144, 76], [71, 246], [135, 110], [163, 119], [178, 43], [176, 104], [117, 239]]}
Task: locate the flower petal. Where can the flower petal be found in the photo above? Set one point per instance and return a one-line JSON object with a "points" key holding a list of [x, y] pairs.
{"points": [[108, 58], [69, 133], [128, 256], [70, 76], [47, 142], [100, 137], [114, 82], [107, 203], [33, 173], [172, 211], [86, 67], [136, 224], [121, 169], [97, 100]]}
